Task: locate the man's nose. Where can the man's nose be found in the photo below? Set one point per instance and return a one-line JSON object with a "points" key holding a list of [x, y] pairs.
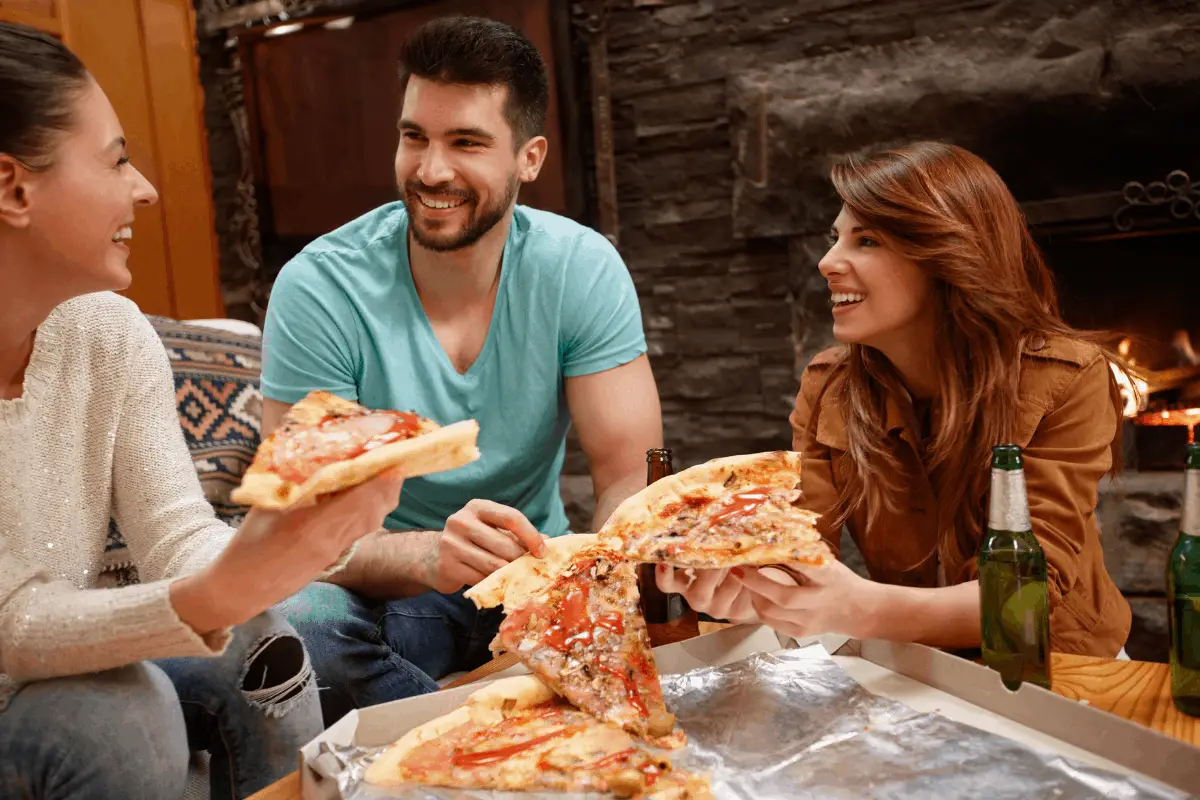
{"points": [[435, 168]]}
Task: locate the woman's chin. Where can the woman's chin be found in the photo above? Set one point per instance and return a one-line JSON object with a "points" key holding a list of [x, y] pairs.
{"points": [[845, 334], [116, 277]]}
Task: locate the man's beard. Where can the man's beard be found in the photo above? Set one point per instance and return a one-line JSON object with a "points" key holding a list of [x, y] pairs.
{"points": [[480, 222]]}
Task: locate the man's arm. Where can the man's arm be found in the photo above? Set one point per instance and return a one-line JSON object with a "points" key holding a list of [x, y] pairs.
{"points": [[618, 417]]}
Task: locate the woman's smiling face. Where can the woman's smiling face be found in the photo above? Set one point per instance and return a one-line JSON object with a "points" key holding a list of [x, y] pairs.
{"points": [[878, 295]]}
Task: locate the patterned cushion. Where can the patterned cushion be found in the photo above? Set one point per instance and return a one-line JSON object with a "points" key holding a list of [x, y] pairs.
{"points": [[220, 406], [220, 412]]}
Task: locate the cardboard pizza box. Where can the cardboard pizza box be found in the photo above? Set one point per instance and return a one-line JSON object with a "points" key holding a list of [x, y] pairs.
{"points": [[923, 678]]}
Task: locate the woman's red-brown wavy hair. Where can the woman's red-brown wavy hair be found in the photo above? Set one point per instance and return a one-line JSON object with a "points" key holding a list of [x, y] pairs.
{"points": [[948, 211]]}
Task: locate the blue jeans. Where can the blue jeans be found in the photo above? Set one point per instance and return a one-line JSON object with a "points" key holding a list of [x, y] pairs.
{"points": [[129, 732], [367, 651]]}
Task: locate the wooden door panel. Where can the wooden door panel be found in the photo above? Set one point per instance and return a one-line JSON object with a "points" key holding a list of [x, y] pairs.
{"points": [[184, 185], [40, 14], [107, 36], [39, 8]]}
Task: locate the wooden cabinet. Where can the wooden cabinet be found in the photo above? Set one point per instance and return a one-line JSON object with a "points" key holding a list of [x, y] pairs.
{"points": [[143, 53], [43, 14]]}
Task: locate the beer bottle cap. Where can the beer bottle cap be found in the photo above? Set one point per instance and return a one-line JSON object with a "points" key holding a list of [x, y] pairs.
{"points": [[1006, 456]]}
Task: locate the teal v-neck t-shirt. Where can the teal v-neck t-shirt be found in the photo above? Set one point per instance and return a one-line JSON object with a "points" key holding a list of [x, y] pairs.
{"points": [[344, 316]]}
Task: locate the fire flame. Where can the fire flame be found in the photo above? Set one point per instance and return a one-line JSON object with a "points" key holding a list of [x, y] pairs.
{"points": [[1134, 390]]}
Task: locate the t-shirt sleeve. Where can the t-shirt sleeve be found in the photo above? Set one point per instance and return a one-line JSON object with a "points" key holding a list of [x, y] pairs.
{"points": [[601, 318], [310, 334]]}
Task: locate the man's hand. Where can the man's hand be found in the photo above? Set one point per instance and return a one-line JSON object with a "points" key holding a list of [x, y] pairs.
{"points": [[477, 541]]}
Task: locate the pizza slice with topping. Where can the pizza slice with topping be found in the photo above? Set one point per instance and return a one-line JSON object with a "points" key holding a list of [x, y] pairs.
{"points": [[327, 443], [737, 511], [584, 636], [516, 735]]}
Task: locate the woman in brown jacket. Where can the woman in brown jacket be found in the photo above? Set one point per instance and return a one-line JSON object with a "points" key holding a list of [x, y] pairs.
{"points": [[951, 342]]}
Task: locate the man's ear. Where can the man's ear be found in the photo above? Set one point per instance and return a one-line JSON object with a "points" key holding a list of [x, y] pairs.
{"points": [[531, 157], [14, 192]]}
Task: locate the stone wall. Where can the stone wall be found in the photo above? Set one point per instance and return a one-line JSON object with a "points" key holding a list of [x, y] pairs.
{"points": [[1140, 514]]}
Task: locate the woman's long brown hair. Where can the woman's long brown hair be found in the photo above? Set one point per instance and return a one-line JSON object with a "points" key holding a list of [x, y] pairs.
{"points": [[949, 212]]}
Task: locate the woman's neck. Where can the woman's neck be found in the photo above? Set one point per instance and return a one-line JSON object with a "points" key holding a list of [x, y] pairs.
{"points": [[24, 305], [13, 362], [912, 356]]}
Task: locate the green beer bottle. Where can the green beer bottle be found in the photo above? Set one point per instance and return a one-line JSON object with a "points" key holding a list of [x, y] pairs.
{"points": [[1183, 594], [1014, 604]]}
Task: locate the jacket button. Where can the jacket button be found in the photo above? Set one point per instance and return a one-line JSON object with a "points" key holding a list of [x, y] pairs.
{"points": [[1037, 343]]}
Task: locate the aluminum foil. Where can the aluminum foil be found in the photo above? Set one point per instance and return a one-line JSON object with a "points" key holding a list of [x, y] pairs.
{"points": [[790, 725]]}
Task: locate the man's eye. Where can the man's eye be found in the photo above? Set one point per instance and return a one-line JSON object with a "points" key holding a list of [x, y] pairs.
{"points": [[466, 143], [412, 136], [122, 161]]}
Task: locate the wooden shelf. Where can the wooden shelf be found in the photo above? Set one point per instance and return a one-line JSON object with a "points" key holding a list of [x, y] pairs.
{"points": [[51, 25]]}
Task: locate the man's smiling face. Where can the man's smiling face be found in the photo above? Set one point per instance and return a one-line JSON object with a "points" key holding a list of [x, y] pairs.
{"points": [[457, 166]]}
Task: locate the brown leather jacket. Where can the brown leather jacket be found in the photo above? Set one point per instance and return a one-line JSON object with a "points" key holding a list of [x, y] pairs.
{"points": [[1067, 424]]}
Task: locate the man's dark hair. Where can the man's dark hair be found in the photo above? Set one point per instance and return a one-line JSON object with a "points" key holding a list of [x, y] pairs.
{"points": [[39, 81], [475, 50]]}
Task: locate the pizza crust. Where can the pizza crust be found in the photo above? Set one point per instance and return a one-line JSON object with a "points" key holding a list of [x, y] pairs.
{"points": [[780, 468], [485, 706], [442, 449], [682, 786], [516, 583], [491, 703]]}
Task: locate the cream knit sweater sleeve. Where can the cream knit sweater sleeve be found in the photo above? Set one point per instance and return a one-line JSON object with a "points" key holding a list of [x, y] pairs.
{"points": [[96, 434], [158, 504]]}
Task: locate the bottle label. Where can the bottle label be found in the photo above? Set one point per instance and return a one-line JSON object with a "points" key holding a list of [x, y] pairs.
{"points": [[1191, 503], [1009, 508]]}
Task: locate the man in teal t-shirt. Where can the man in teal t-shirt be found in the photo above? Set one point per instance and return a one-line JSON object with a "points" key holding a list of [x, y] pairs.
{"points": [[458, 304]]}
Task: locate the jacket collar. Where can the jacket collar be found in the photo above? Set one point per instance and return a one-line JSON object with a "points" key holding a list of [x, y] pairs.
{"points": [[831, 424]]}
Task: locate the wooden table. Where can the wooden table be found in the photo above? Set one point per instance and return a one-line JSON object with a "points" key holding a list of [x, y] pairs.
{"points": [[1136, 690]]}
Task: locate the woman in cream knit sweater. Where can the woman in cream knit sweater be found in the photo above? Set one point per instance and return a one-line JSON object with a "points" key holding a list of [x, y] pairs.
{"points": [[105, 691]]}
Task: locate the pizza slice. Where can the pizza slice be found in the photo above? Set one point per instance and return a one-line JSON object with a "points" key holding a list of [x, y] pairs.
{"points": [[326, 444], [737, 511], [516, 735], [581, 632]]}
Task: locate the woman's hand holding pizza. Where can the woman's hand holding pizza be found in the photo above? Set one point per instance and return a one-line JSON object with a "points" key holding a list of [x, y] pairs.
{"points": [[797, 600], [716, 592], [274, 554], [800, 600]]}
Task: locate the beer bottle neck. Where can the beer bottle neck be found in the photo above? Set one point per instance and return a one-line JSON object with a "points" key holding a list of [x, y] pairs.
{"points": [[1009, 507], [1191, 503], [658, 465]]}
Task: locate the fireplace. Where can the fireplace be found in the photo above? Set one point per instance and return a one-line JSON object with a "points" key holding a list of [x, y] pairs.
{"points": [[1125, 264]]}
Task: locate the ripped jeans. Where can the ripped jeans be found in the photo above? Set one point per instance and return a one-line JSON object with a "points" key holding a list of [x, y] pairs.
{"points": [[129, 732]]}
